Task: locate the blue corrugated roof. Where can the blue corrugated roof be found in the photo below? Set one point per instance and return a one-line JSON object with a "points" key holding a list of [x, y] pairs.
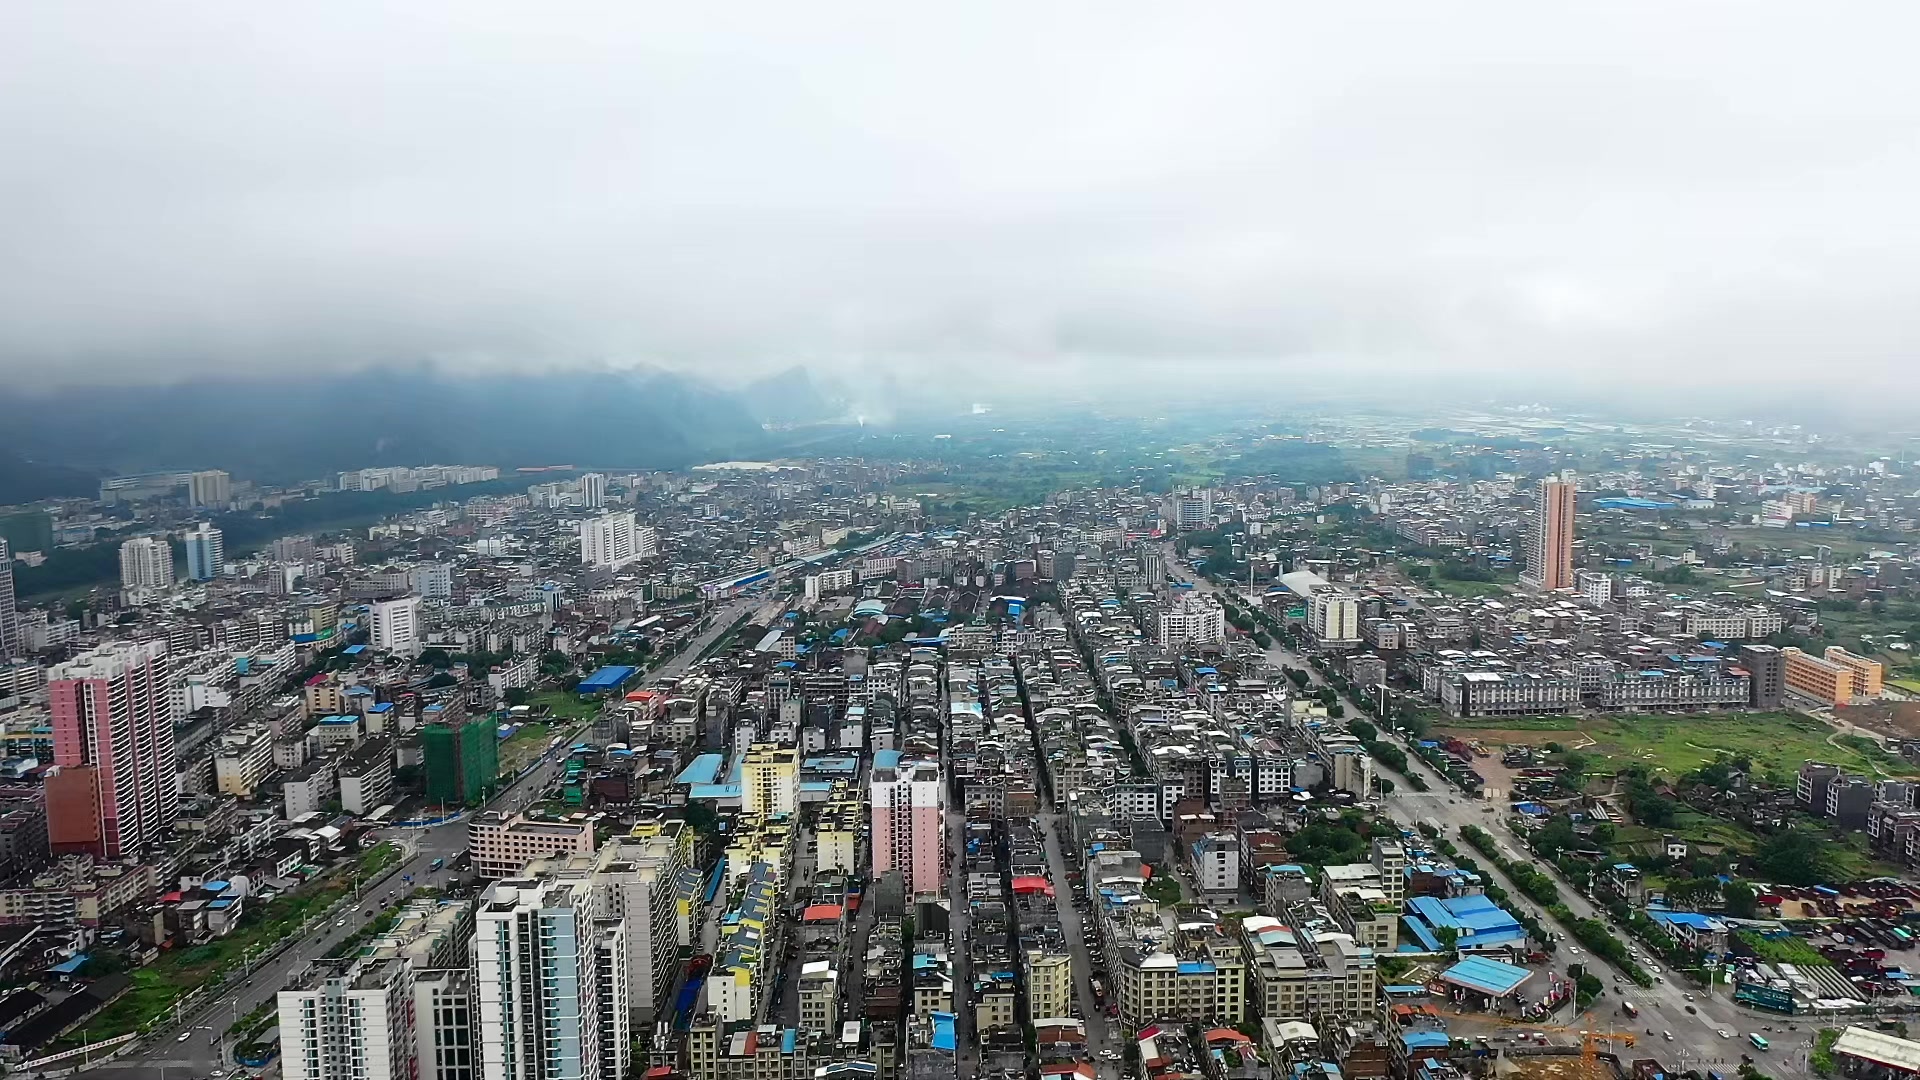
{"points": [[702, 770], [943, 1032], [1486, 976], [611, 677], [1425, 1040]]}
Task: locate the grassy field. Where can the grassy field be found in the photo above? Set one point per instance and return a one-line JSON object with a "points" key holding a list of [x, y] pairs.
{"points": [[564, 704], [1777, 742], [1784, 950]]}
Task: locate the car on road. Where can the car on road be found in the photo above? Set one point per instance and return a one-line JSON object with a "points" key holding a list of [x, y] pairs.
{"points": [[184, 1036], [342, 921]]}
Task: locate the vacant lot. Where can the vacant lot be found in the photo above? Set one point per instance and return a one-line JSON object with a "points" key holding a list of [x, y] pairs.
{"points": [[565, 704], [524, 745], [1777, 742]]}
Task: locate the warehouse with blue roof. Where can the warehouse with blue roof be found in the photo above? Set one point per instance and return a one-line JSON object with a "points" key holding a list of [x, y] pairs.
{"points": [[1479, 924], [606, 680]]}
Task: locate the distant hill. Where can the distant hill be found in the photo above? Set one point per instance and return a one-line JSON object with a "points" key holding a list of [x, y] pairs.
{"points": [[282, 430], [791, 397], [25, 481]]}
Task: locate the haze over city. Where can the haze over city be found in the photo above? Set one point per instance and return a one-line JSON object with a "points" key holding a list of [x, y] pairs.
{"points": [[853, 541], [1106, 194]]}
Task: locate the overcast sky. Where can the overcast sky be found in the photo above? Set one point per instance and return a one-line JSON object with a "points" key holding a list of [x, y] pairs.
{"points": [[1712, 191]]}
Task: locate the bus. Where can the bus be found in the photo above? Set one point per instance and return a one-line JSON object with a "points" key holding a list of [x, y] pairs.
{"points": [[1628, 1007], [1758, 1042], [437, 864]]}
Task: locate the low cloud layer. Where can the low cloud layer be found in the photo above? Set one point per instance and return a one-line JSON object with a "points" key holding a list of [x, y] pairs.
{"points": [[1720, 191]]}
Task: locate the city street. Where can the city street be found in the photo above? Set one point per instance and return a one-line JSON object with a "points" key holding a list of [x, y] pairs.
{"points": [[1099, 1028], [200, 1054], [1696, 1036]]}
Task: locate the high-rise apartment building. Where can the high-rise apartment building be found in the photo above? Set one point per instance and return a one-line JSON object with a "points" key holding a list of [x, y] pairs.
{"points": [[770, 779], [608, 540], [211, 488], [909, 811], [443, 1024], [1550, 552], [550, 998], [394, 625], [206, 552], [638, 878], [113, 741], [146, 562], [646, 542], [1334, 615], [9, 618], [1192, 618], [593, 490], [355, 1022]]}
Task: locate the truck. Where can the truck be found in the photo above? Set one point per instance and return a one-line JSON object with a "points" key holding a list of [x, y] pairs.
{"points": [[1630, 1009]]}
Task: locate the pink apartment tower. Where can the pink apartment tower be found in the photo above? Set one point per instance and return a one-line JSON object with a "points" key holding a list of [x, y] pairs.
{"points": [[116, 790], [909, 821]]}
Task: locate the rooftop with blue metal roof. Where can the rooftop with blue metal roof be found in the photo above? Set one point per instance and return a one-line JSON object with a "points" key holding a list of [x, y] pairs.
{"points": [[1490, 977]]}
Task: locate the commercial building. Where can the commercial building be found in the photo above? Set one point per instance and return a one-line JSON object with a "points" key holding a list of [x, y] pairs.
{"points": [[549, 990], [394, 625], [461, 760], [146, 562], [1550, 547], [206, 552], [608, 540], [908, 804], [503, 845], [355, 1022], [1822, 680], [113, 741]]}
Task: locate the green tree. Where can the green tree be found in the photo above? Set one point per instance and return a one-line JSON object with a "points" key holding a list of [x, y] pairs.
{"points": [[1363, 731], [435, 658], [516, 696], [1739, 900], [1793, 857]]}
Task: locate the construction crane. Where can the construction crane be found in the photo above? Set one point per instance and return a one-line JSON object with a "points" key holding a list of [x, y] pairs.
{"points": [[1589, 1039]]}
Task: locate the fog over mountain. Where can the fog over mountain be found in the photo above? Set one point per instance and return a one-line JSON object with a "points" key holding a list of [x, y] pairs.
{"points": [[908, 202]]}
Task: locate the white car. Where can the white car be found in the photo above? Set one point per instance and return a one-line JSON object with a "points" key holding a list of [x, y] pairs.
{"points": [[184, 1036]]}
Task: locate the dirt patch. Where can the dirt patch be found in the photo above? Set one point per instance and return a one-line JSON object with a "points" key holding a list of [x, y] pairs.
{"points": [[1900, 719]]}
